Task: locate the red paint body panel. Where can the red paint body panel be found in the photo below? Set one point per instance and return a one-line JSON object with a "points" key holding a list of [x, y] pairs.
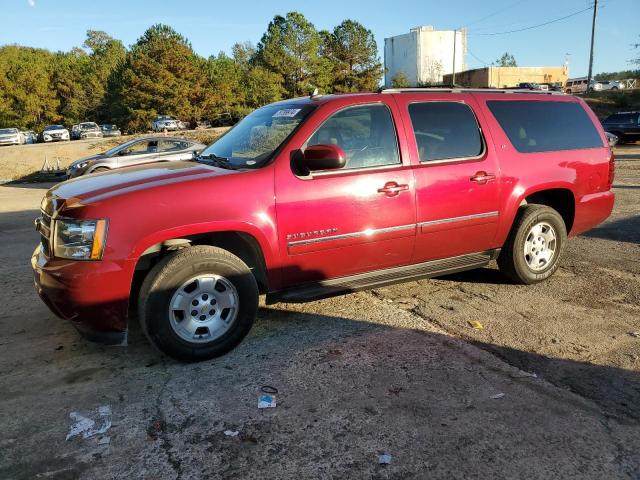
{"points": [[438, 211]]}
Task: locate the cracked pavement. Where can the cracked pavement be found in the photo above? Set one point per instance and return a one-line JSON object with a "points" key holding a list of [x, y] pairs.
{"points": [[396, 370]]}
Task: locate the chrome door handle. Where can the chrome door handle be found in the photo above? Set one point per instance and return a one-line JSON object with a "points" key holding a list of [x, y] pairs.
{"points": [[392, 189], [482, 177]]}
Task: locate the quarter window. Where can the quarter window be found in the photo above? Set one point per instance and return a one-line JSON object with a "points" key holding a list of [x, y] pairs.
{"points": [[445, 130], [365, 133], [542, 126]]}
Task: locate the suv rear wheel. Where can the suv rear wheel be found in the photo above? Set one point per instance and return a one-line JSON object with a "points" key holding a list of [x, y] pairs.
{"points": [[534, 246], [198, 303]]}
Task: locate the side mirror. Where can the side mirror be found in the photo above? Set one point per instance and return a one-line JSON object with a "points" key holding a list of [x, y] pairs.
{"points": [[324, 157], [122, 153]]}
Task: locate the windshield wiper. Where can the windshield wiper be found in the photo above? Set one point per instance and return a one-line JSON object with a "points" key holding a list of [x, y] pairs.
{"points": [[216, 161]]}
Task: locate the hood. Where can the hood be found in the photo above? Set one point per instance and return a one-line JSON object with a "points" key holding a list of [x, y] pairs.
{"points": [[101, 186], [57, 130]]}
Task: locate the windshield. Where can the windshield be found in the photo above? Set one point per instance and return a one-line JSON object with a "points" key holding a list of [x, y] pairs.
{"points": [[252, 142], [54, 127], [7, 131], [88, 126]]}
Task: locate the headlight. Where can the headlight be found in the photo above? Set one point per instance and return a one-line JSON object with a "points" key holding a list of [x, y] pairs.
{"points": [[78, 166], [79, 239]]}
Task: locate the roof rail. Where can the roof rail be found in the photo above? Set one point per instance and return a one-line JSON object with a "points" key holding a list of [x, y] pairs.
{"points": [[468, 90]]}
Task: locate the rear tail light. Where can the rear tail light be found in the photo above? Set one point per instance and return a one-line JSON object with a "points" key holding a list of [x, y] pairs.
{"points": [[612, 170]]}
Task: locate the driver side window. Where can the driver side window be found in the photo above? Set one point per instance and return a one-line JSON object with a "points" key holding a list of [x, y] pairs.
{"points": [[365, 133], [142, 148]]}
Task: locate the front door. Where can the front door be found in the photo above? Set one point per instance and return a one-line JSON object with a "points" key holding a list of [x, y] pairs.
{"points": [[456, 172], [358, 218]]}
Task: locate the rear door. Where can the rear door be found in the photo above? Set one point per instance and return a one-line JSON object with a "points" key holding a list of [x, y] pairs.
{"points": [[456, 172], [356, 219]]}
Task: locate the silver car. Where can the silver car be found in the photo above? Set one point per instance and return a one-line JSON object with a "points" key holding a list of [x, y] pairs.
{"points": [[89, 130], [11, 136], [612, 85], [136, 152], [165, 123]]}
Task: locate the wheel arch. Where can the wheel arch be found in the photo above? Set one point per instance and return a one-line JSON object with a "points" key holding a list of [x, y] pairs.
{"points": [[560, 196], [245, 245]]}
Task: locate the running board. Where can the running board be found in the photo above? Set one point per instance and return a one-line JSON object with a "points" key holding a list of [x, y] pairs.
{"points": [[379, 278]]}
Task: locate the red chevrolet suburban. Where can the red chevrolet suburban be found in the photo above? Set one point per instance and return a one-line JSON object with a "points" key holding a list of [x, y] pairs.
{"points": [[317, 196]]}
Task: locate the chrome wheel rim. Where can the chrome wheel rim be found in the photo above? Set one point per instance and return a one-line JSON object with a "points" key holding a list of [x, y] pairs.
{"points": [[540, 246], [203, 308]]}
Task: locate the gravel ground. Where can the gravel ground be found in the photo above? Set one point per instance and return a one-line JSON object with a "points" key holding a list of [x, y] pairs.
{"points": [[549, 388]]}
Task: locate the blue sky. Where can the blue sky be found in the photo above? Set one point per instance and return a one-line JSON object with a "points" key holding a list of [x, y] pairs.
{"points": [[215, 26]]}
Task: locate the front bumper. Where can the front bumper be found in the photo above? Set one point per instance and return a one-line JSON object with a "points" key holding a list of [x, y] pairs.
{"points": [[13, 141], [93, 296]]}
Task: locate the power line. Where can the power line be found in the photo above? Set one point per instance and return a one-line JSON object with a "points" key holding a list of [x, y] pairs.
{"points": [[476, 57], [534, 26], [492, 14]]}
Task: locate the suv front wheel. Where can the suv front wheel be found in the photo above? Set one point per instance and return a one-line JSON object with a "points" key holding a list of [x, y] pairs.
{"points": [[198, 303], [534, 246]]}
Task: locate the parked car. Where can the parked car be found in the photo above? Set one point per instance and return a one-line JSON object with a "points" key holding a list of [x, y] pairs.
{"points": [[624, 125], [532, 86], [11, 136], [314, 197], [89, 130], [30, 136], [553, 87], [579, 85], [136, 152], [109, 130], [75, 132], [54, 133], [611, 84], [612, 139], [164, 123]]}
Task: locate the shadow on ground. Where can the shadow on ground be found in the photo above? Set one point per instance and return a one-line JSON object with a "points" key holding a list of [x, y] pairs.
{"points": [[623, 230]]}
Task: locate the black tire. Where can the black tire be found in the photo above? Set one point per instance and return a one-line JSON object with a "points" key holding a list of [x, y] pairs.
{"points": [[169, 274], [512, 260]]}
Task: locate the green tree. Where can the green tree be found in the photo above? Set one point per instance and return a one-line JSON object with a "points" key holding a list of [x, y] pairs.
{"points": [[161, 75], [400, 80], [506, 60], [290, 48], [260, 85], [27, 99], [353, 53], [106, 56]]}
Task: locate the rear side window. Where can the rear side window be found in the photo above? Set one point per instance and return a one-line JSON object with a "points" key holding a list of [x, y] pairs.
{"points": [[622, 118], [539, 126], [445, 130]]}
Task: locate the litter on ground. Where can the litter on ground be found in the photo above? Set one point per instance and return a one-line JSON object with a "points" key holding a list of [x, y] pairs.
{"points": [[476, 324], [384, 459], [96, 422], [266, 401]]}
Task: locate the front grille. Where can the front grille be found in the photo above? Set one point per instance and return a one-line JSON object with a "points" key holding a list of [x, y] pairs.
{"points": [[46, 233]]}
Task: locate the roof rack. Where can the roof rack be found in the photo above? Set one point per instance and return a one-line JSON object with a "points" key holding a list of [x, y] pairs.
{"points": [[468, 90]]}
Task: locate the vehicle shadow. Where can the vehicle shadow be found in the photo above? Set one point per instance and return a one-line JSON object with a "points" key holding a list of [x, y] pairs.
{"points": [[479, 275], [622, 230]]}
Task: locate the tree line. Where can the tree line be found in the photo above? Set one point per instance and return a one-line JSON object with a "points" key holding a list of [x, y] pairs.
{"points": [[162, 75]]}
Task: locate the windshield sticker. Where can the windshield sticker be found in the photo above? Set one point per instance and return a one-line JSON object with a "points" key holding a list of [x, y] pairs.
{"points": [[287, 112]]}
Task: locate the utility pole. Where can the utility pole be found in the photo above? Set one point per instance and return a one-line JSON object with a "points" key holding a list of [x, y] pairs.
{"points": [[593, 34], [453, 74]]}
